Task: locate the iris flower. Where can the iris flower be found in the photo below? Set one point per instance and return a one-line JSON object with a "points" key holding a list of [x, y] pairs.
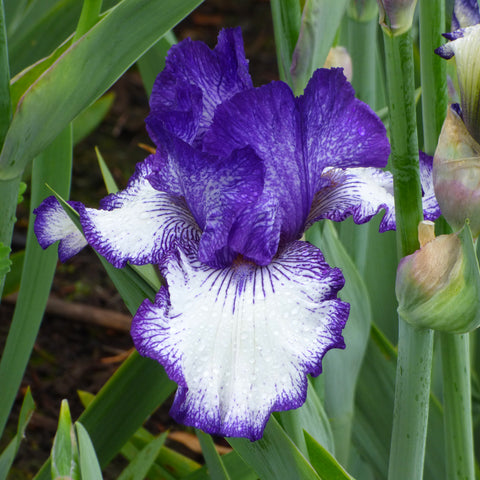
{"points": [[248, 309]]}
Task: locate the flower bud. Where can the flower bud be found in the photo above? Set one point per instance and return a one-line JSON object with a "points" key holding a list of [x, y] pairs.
{"points": [[396, 16], [339, 57], [456, 174], [438, 286]]}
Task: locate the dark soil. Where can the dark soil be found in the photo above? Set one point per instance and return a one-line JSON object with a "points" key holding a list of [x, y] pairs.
{"points": [[70, 355]]}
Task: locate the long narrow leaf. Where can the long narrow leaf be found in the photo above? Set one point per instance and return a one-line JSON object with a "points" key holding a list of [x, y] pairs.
{"points": [[54, 167], [65, 461], [213, 460], [8, 455], [89, 467], [5, 103], [138, 468], [87, 69], [152, 63], [274, 455], [323, 462], [344, 364]]}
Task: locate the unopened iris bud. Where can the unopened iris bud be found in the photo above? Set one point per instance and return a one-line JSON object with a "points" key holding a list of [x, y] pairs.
{"points": [[396, 16], [456, 174], [339, 57], [438, 286]]}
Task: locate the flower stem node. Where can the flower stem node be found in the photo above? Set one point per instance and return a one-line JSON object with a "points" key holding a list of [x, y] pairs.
{"points": [[438, 286], [396, 16], [456, 174]]}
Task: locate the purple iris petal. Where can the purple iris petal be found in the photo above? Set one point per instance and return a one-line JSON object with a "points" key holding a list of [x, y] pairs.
{"points": [[339, 130], [194, 81], [357, 192], [139, 224], [219, 192], [465, 14], [53, 224], [240, 341], [431, 209], [364, 192], [297, 138]]}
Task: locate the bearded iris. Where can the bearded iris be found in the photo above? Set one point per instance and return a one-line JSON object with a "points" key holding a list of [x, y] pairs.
{"points": [[248, 310]]}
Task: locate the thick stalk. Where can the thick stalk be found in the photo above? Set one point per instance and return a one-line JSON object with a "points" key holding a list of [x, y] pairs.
{"points": [[459, 447], [433, 71], [415, 347], [457, 406]]}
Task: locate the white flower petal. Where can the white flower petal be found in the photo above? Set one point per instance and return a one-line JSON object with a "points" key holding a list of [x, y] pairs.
{"points": [[240, 341], [52, 224], [139, 224]]}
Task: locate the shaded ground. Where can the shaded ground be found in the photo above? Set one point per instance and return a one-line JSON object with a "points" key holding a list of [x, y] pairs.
{"points": [[71, 355]]}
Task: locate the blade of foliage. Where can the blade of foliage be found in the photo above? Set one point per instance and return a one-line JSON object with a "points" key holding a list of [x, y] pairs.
{"points": [[87, 69], [213, 460], [153, 61], [89, 465], [65, 461], [310, 417], [5, 262], [323, 462], [235, 466], [5, 103], [138, 468], [320, 22], [8, 455], [45, 29], [344, 364], [21, 82], [54, 167], [44, 24], [12, 280], [108, 179], [286, 16], [14, 12], [136, 389], [90, 118], [169, 464], [88, 18], [274, 455], [8, 204]]}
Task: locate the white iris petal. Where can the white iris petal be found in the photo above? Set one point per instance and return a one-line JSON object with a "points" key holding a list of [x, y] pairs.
{"points": [[241, 340]]}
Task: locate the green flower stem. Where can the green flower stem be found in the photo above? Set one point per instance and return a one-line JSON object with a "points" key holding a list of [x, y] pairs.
{"points": [[433, 71], [457, 406], [415, 346], [410, 415], [403, 139], [459, 449], [5, 102]]}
